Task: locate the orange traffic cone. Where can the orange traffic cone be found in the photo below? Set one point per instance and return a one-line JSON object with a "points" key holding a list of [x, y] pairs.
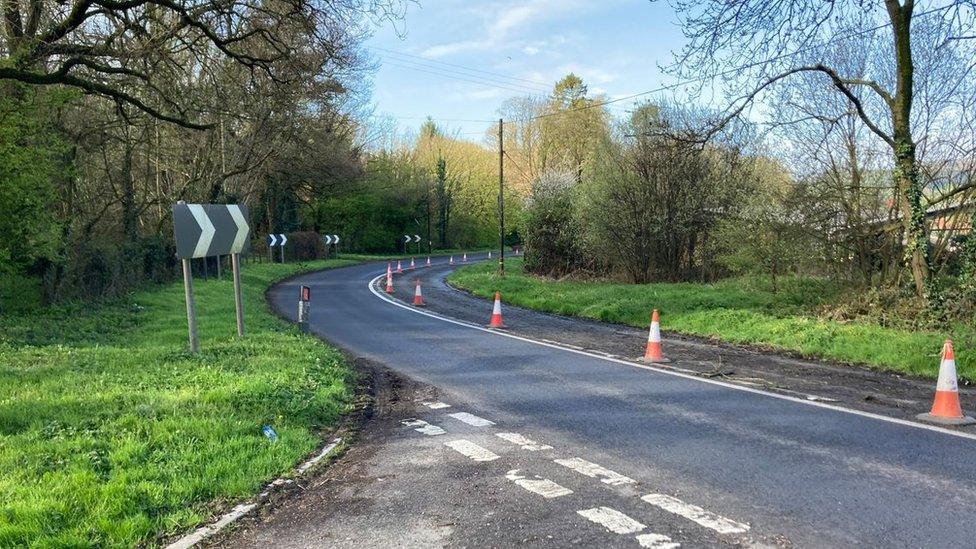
{"points": [[399, 267], [418, 297], [389, 278], [653, 352], [451, 261], [946, 409], [496, 312], [412, 266], [464, 258], [428, 261]]}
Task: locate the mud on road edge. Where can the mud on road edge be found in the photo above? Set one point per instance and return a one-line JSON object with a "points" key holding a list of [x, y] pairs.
{"points": [[383, 399]]}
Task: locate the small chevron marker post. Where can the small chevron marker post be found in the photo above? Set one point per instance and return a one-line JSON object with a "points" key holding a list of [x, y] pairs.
{"points": [[207, 230]]}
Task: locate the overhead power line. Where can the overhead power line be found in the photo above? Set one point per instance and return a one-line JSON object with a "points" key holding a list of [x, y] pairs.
{"points": [[545, 85]]}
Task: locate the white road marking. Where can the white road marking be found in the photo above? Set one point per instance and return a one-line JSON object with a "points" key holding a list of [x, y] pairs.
{"points": [[424, 427], [472, 419], [436, 405], [671, 371], [612, 520], [538, 485], [593, 470], [694, 513], [657, 541], [471, 450], [525, 443]]}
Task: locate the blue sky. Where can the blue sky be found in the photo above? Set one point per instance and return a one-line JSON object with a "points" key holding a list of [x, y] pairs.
{"points": [[426, 60]]}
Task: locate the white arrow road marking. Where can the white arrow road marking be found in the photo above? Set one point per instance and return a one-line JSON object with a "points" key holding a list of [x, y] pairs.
{"points": [[472, 419], [612, 520], [242, 229], [525, 443], [471, 450], [538, 485], [436, 405], [656, 541], [595, 471], [207, 230], [424, 427], [694, 513]]}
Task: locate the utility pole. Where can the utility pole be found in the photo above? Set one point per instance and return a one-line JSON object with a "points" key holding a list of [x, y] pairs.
{"points": [[501, 200], [429, 243]]}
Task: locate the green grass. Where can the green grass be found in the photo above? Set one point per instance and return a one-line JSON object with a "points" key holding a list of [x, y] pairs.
{"points": [[112, 434], [741, 310]]}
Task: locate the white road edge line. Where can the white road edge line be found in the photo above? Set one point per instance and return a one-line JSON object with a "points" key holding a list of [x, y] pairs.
{"points": [[592, 470], [694, 513], [612, 520], [242, 509], [524, 442], [472, 419], [436, 405], [814, 403], [471, 450], [538, 485]]}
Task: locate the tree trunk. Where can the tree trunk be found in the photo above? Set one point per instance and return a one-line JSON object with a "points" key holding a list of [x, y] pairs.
{"points": [[906, 164]]}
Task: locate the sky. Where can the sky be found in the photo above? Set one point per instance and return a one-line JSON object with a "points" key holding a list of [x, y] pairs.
{"points": [[457, 61]]}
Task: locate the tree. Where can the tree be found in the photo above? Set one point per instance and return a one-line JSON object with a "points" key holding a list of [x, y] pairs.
{"points": [[140, 53], [754, 44], [571, 127]]}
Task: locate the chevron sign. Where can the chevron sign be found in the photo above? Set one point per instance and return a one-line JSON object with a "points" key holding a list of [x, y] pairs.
{"points": [[205, 230]]}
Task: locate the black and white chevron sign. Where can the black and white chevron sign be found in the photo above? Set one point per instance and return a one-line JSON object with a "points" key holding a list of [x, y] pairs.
{"points": [[205, 230], [276, 240]]}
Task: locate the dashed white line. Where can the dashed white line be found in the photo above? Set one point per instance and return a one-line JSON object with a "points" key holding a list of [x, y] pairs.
{"points": [[423, 427], [472, 419], [437, 405], [524, 442], [595, 471], [657, 541], [694, 513], [538, 485], [471, 450], [612, 520]]}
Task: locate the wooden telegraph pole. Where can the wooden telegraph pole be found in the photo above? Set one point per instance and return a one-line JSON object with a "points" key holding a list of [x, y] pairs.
{"points": [[501, 200]]}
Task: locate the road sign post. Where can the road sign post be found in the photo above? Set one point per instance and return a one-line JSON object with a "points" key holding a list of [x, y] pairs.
{"points": [[191, 310], [235, 263], [208, 230]]}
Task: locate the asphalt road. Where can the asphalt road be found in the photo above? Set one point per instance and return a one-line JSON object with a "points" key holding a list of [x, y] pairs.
{"points": [[617, 455]]}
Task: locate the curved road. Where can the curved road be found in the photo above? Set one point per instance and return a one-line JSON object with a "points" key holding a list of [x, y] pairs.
{"points": [[685, 460]]}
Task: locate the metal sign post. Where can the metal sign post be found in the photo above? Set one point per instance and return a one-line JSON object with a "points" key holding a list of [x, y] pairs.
{"points": [[208, 230], [235, 262]]}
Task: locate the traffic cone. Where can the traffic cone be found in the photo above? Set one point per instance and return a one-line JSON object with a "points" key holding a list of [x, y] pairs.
{"points": [[946, 409], [464, 258], [399, 268], [412, 266], [653, 352], [389, 278], [496, 312], [418, 297], [451, 261], [428, 261]]}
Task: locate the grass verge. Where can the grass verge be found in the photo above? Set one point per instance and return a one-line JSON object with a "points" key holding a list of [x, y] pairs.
{"points": [[737, 311], [112, 434]]}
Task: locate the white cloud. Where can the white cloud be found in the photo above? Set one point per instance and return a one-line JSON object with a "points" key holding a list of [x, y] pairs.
{"points": [[530, 50]]}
